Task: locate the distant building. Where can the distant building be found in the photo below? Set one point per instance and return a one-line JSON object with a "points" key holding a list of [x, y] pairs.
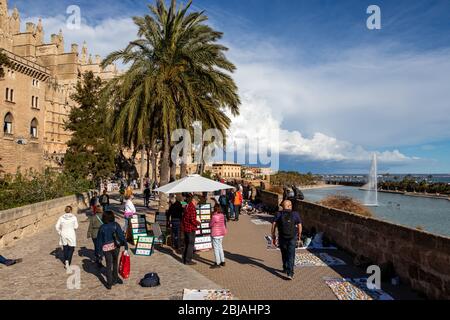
{"points": [[36, 92], [256, 173], [227, 170]]}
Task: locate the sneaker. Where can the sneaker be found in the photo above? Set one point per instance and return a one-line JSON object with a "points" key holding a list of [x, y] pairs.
{"points": [[108, 286], [222, 264], [290, 277], [118, 281], [215, 266], [191, 263], [66, 265]]}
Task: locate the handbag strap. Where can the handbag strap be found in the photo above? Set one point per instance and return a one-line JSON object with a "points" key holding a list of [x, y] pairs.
{"points": [[101, 222]]}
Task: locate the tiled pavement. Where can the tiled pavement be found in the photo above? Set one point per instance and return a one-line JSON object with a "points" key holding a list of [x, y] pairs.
{"points": [[251, 272]]}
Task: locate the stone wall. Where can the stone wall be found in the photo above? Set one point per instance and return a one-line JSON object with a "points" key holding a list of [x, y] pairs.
{"points": [[271, 199], [421, 259], [18, 223]]}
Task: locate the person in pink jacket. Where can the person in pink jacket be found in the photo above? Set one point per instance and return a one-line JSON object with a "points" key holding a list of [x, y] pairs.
{"points": [[218, 232]]}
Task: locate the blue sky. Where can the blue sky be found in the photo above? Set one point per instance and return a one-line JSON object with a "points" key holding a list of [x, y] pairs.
{"points": [[311, 69]]}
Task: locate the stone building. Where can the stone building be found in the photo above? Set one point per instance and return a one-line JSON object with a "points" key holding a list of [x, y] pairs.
{"points": [[35, 92], [227, 170]]}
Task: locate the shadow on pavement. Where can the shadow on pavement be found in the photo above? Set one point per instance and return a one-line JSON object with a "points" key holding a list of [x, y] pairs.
{"points": [[58, 254], [87, 253], [92, 268], [252, 261]]}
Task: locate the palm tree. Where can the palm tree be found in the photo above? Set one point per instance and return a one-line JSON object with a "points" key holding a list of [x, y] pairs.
{"points": [[178, 74]]}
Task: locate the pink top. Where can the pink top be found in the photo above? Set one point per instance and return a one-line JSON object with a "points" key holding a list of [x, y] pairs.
{"points": [[217, 225]]}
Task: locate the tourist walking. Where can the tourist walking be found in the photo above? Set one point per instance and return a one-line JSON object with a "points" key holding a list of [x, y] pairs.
{"points": [[95, 222], [174, 216], [218, 232], [129, 211], [147, 193], [94, 202], [110, 238], [66, 226], [104, 200], [230, 197], [238, 200], [223, 201], [289, 227], [122, 192], [190, 224]]}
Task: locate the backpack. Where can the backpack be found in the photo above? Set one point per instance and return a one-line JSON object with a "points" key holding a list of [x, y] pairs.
{"points": [[223, 200], [150, 280], [286, 225]]}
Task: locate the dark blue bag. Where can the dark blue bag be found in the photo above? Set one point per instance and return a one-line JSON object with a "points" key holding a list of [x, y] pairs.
{"points": [[150, 280]]}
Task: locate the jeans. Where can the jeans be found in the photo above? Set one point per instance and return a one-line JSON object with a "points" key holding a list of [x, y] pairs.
{"points": [[287, 247], [105, 207], [237, 211], [98, 257], [68, 253], [112, 262], [147, 201], [125, 226], [231, 211], [218, 249], [224, 210], [176, 233], [189, 242]]}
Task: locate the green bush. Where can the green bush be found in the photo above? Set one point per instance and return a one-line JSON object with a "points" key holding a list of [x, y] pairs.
{"points": [[32, 187]]}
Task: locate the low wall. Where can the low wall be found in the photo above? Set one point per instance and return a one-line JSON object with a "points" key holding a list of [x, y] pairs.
{"points": [[271, 199], [421, 259], [18, 223]]}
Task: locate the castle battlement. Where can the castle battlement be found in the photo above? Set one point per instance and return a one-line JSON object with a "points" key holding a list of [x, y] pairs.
{"points": [[36, 90]]}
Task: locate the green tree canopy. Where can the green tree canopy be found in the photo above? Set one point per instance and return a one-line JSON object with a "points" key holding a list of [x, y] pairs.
{"points": [[90, 151]]}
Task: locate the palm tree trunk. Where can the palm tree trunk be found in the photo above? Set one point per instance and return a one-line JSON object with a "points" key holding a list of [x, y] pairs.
{"points": [[164, 174], [142, 168], [173, 171], [183, 169]]}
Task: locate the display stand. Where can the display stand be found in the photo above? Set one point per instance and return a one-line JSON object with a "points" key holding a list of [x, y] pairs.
{"points": [[203, 234], [144, 246], [137, 228]]}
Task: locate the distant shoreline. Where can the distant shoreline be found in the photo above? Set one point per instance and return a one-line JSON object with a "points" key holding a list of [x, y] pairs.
{"points": [[417, 194], [319, 186]]}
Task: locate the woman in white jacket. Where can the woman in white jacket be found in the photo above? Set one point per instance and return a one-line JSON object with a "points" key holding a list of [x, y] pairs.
{"points": [[66, 226], [129, 212]]}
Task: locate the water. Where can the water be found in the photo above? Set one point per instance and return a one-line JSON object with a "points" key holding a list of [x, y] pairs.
{"points": [[433, 215]]}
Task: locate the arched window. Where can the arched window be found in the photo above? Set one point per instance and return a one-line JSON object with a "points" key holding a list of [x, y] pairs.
{"points": [[34, 128], [8, 124]]}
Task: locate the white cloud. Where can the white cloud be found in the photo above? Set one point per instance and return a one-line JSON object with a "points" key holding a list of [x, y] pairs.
{"points": [[328, 111]]}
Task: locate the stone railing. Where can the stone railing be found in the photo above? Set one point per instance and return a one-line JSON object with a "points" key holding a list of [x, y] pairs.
{"points": [[18, 223], [271, 199], [420, 259]]}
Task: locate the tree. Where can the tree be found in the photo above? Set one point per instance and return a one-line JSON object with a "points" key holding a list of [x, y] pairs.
{"points": [[178, 75], [90, 151]]}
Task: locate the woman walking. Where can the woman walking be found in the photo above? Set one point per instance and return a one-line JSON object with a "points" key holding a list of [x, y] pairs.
{"points": [[95, 222], [218, 232], [66, 226], [129, 212], [109, 240]]}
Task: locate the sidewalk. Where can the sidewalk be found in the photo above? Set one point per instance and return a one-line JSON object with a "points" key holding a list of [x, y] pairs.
{"points": [[41, 275]]}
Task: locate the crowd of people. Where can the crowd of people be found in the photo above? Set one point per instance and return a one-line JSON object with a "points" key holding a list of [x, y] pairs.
{"points": [[108, 236]]}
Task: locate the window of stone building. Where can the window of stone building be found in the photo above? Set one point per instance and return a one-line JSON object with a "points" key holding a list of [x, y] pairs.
{"points": [[34, 128], [7, 94], [11, 95], [8, 124], [32, 101], [36, 102]]}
